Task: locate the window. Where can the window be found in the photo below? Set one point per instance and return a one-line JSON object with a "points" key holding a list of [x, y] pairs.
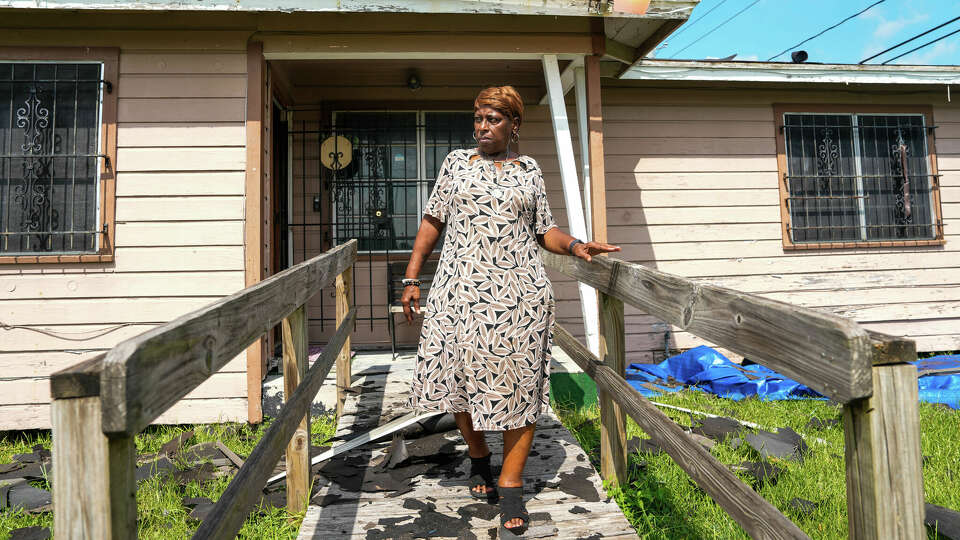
{"points": [[395, 156], [54, 156], [857, 178]]}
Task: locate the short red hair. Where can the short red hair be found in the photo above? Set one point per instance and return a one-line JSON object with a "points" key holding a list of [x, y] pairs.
{"points": [[505, 99]]}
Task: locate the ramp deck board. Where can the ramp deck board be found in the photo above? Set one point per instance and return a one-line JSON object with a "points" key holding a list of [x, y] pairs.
{"points": [[563, 491]]}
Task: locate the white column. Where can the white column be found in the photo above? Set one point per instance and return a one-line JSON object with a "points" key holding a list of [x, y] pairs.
{"points": [[571, 190], [583, 133]]}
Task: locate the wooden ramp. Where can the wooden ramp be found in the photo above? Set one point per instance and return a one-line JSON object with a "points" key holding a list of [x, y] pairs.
{"points": [[356, 497]]}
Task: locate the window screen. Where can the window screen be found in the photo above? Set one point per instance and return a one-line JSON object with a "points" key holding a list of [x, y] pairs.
{"points": [[49, 146], [858, 178]]}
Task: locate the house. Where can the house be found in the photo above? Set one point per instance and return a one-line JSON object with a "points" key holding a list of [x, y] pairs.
{"points": [[158, 155], [194, 149]]}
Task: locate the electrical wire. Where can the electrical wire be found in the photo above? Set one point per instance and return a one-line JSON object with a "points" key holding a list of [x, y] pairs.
{"points": [[825, 30], [700, 18], [66, 336], [908, 40], [734, 16], [931, 42]]}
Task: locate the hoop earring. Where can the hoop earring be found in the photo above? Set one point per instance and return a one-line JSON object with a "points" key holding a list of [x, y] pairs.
{"points": [[475, 137], [515, 137]]}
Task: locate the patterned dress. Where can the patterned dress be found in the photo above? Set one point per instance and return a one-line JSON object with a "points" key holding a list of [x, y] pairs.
{"points": [[488, 318]]}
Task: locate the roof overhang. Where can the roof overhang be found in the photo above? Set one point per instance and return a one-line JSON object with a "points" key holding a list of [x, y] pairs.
{"points": [[775, 72], [631, 28], [663, 9]]}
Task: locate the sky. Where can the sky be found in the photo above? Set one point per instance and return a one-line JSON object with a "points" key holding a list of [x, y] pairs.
{"points": [[770, 26]]}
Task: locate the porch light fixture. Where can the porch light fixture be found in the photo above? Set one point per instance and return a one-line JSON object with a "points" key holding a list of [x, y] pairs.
{"points": [[413, 81]]}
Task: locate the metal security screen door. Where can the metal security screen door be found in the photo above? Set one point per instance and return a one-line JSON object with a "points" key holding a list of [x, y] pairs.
{"points": [[859, 178], [49, 147], [367, 176], [395, 156]]}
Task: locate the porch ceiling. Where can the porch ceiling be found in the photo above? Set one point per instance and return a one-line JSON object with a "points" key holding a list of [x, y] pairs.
{"points": [[310, 82]]}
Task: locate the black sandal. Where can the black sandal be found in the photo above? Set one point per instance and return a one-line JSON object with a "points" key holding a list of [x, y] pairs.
{"points": [[481, 475], [512, 507]]}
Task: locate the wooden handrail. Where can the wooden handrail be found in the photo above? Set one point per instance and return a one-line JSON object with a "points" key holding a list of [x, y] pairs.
{"points": [[246, 488], [122, 391], [868, 372], [772, 333], [144, 376], [757, 516]]}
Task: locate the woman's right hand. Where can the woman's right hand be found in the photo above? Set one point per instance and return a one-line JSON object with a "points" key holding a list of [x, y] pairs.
{"points": [[411, 293]]}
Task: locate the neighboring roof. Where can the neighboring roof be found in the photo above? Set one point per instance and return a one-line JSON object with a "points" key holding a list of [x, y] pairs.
{"points": [[723, 70], [664, 9]]}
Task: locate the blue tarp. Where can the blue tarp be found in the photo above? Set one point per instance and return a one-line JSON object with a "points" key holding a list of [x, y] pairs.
{"points": [[705, 369]]}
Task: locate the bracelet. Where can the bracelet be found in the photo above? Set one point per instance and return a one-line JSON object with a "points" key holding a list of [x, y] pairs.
{"points": [[410, 281], [573, 243]]}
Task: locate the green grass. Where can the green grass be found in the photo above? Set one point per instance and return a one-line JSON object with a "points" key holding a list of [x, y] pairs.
{"points": [[662, 502], [160, 512]]}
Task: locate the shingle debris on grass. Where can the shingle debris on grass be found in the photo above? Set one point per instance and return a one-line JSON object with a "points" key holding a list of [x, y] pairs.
{"points": [[39, 455], [761, 471], [944, 520], [784, 444], [172, 447], [7, 467], [204, 472], [30, 533], [22, 495], [30, 471], [803, 507], [159, 467], [200, 507], [718, 428]]}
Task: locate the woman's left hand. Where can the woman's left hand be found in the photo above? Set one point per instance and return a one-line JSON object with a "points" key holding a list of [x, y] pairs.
{"points": [[586, 250]]}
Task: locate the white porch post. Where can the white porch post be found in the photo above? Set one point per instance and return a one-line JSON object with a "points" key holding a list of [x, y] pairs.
{"points": [[571, 190], [583, 133]]}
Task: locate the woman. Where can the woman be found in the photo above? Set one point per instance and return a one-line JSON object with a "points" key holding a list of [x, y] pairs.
{"points": [[484, 351]]}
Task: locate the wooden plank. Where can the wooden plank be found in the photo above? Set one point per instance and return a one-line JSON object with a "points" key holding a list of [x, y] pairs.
{"points": [[80, 380], [25, 416], [597, 150], [37, 389], [181, 233], [757, 516], [180, 134], [113, 285], [175, 62], [244, 491], [189, 209], [695, 181], [882, 455], [343, 304], [643, 143], [613, 424], [838, 366], [179, 259], [195, 85], [807, 263], [132, 184], [889, 349], [226, 158], [668, 164], [98, 311], [180, 110], [253, 255], [295, 361], [633, 197], [145, 375], [205, 411], [95, 495], [678, 216]]}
